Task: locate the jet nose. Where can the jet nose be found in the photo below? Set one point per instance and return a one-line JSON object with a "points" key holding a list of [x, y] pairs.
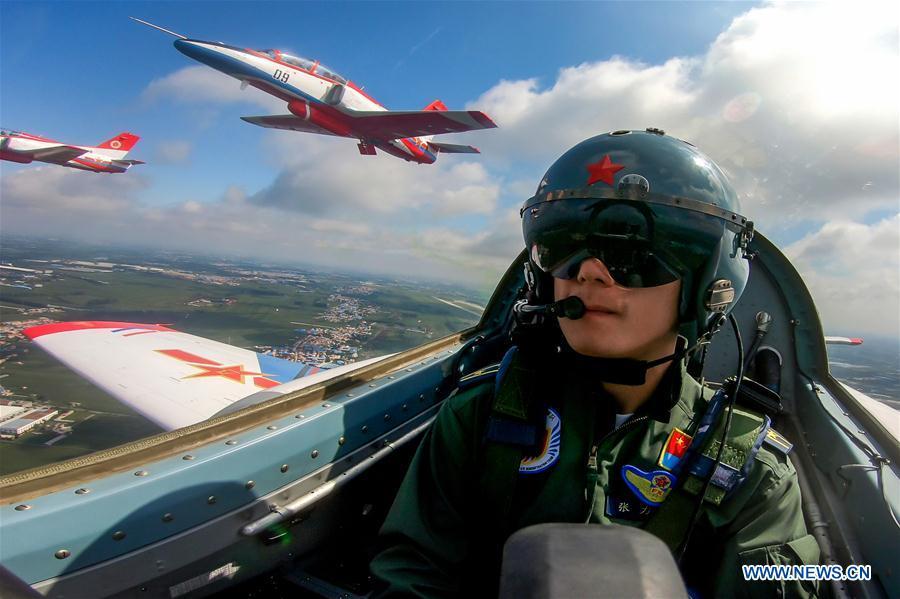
{"points": [[227, 59], [190, 49]]}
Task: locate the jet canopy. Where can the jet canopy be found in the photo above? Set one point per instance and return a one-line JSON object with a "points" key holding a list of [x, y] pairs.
{"points": [[304, 63]]}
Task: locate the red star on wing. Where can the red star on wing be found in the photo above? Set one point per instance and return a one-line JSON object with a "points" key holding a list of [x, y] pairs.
{"points": [[603, 171], [234, 373]]}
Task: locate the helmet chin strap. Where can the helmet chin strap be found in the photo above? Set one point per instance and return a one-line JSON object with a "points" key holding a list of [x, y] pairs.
{"points": [[628, 371]]}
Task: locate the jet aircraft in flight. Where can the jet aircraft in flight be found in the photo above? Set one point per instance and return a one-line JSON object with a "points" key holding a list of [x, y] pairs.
{"points": [[321, 101], [108, 157]]}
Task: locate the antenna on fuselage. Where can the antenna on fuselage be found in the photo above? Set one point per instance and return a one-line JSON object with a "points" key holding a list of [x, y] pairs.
{"points": [[184, 37]]}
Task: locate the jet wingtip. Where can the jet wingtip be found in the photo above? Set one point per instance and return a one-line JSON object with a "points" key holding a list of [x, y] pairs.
{"points": [[483, 119]]}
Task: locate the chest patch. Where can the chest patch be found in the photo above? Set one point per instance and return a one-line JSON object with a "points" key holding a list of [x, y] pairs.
{"points": [[652, 488], [549, 453]]}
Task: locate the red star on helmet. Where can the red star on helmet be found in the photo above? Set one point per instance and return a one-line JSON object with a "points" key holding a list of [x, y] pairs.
{"points": [[603, 171]]}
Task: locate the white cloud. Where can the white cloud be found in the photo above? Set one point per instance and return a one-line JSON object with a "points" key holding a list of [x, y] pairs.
{"points": [[794, 100], [201, 84], [853, 272], [317, 178], [173, 151], [52, 194], [587, 99], [57, 202], [192, 207]]}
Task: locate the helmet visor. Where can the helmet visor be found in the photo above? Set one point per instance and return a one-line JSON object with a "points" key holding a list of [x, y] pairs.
{"points": [[629, 266], [641, 244]]}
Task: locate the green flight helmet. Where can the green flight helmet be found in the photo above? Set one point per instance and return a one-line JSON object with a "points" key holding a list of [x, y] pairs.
{"points": [[654, 209]]}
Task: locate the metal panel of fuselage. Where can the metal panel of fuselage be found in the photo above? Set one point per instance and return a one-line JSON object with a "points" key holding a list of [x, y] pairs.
{"points": [[101, 521], [211, 556], [300, 84]]}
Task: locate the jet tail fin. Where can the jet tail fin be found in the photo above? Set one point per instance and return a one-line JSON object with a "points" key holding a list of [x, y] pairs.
{"points": [[119, 146], [437, 105]]}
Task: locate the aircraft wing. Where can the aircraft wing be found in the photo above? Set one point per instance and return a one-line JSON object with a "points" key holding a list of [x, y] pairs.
{"points": [[452, 148], [57, 154], [286, 121], [173, 378], [397, 125]]}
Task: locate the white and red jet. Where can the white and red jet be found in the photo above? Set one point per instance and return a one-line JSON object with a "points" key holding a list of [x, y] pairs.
{"points": [[321, 101], [108, 157]]}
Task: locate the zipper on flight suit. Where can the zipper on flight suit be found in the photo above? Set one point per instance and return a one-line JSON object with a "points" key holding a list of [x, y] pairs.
{"points": [[593, 474]]}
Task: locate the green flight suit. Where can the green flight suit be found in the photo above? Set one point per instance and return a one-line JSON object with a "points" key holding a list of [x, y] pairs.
{"points": [[444, 534]]}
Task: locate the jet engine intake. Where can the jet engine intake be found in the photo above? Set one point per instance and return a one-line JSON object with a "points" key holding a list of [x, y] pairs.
{"points": [[334, 95]]}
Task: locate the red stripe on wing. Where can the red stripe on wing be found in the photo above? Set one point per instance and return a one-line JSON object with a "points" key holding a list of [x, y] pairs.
{"points": [[261, 381], [180, 354], [83, 325]]}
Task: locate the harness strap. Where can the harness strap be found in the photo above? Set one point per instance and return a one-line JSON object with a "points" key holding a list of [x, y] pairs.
{"points": [[510, 434]]}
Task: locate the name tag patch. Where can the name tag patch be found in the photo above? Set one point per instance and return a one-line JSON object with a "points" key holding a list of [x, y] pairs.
{"points": [[626, 508]]}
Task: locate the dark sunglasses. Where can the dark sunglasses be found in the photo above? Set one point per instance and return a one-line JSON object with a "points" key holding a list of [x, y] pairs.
{"points": [[634, 267]]}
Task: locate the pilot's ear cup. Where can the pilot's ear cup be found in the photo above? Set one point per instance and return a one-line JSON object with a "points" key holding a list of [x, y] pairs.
{"points": [[551, 561]]}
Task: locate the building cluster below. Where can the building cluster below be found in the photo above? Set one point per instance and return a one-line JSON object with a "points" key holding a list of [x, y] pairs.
{"points": [[16, 420]]}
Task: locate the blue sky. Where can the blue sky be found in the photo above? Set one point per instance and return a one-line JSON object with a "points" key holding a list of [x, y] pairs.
{"points": [[791, 99]]}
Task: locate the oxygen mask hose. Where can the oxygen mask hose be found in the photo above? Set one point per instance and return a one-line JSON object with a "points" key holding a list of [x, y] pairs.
{"points": [[682, 549]]}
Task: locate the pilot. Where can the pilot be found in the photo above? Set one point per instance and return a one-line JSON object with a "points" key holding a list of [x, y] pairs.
{"points": [[636, 255]]}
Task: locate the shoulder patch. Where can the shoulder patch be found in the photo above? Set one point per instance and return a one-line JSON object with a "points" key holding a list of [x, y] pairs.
{"points": [[549, 451], [776, 441], [479, 376]]}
